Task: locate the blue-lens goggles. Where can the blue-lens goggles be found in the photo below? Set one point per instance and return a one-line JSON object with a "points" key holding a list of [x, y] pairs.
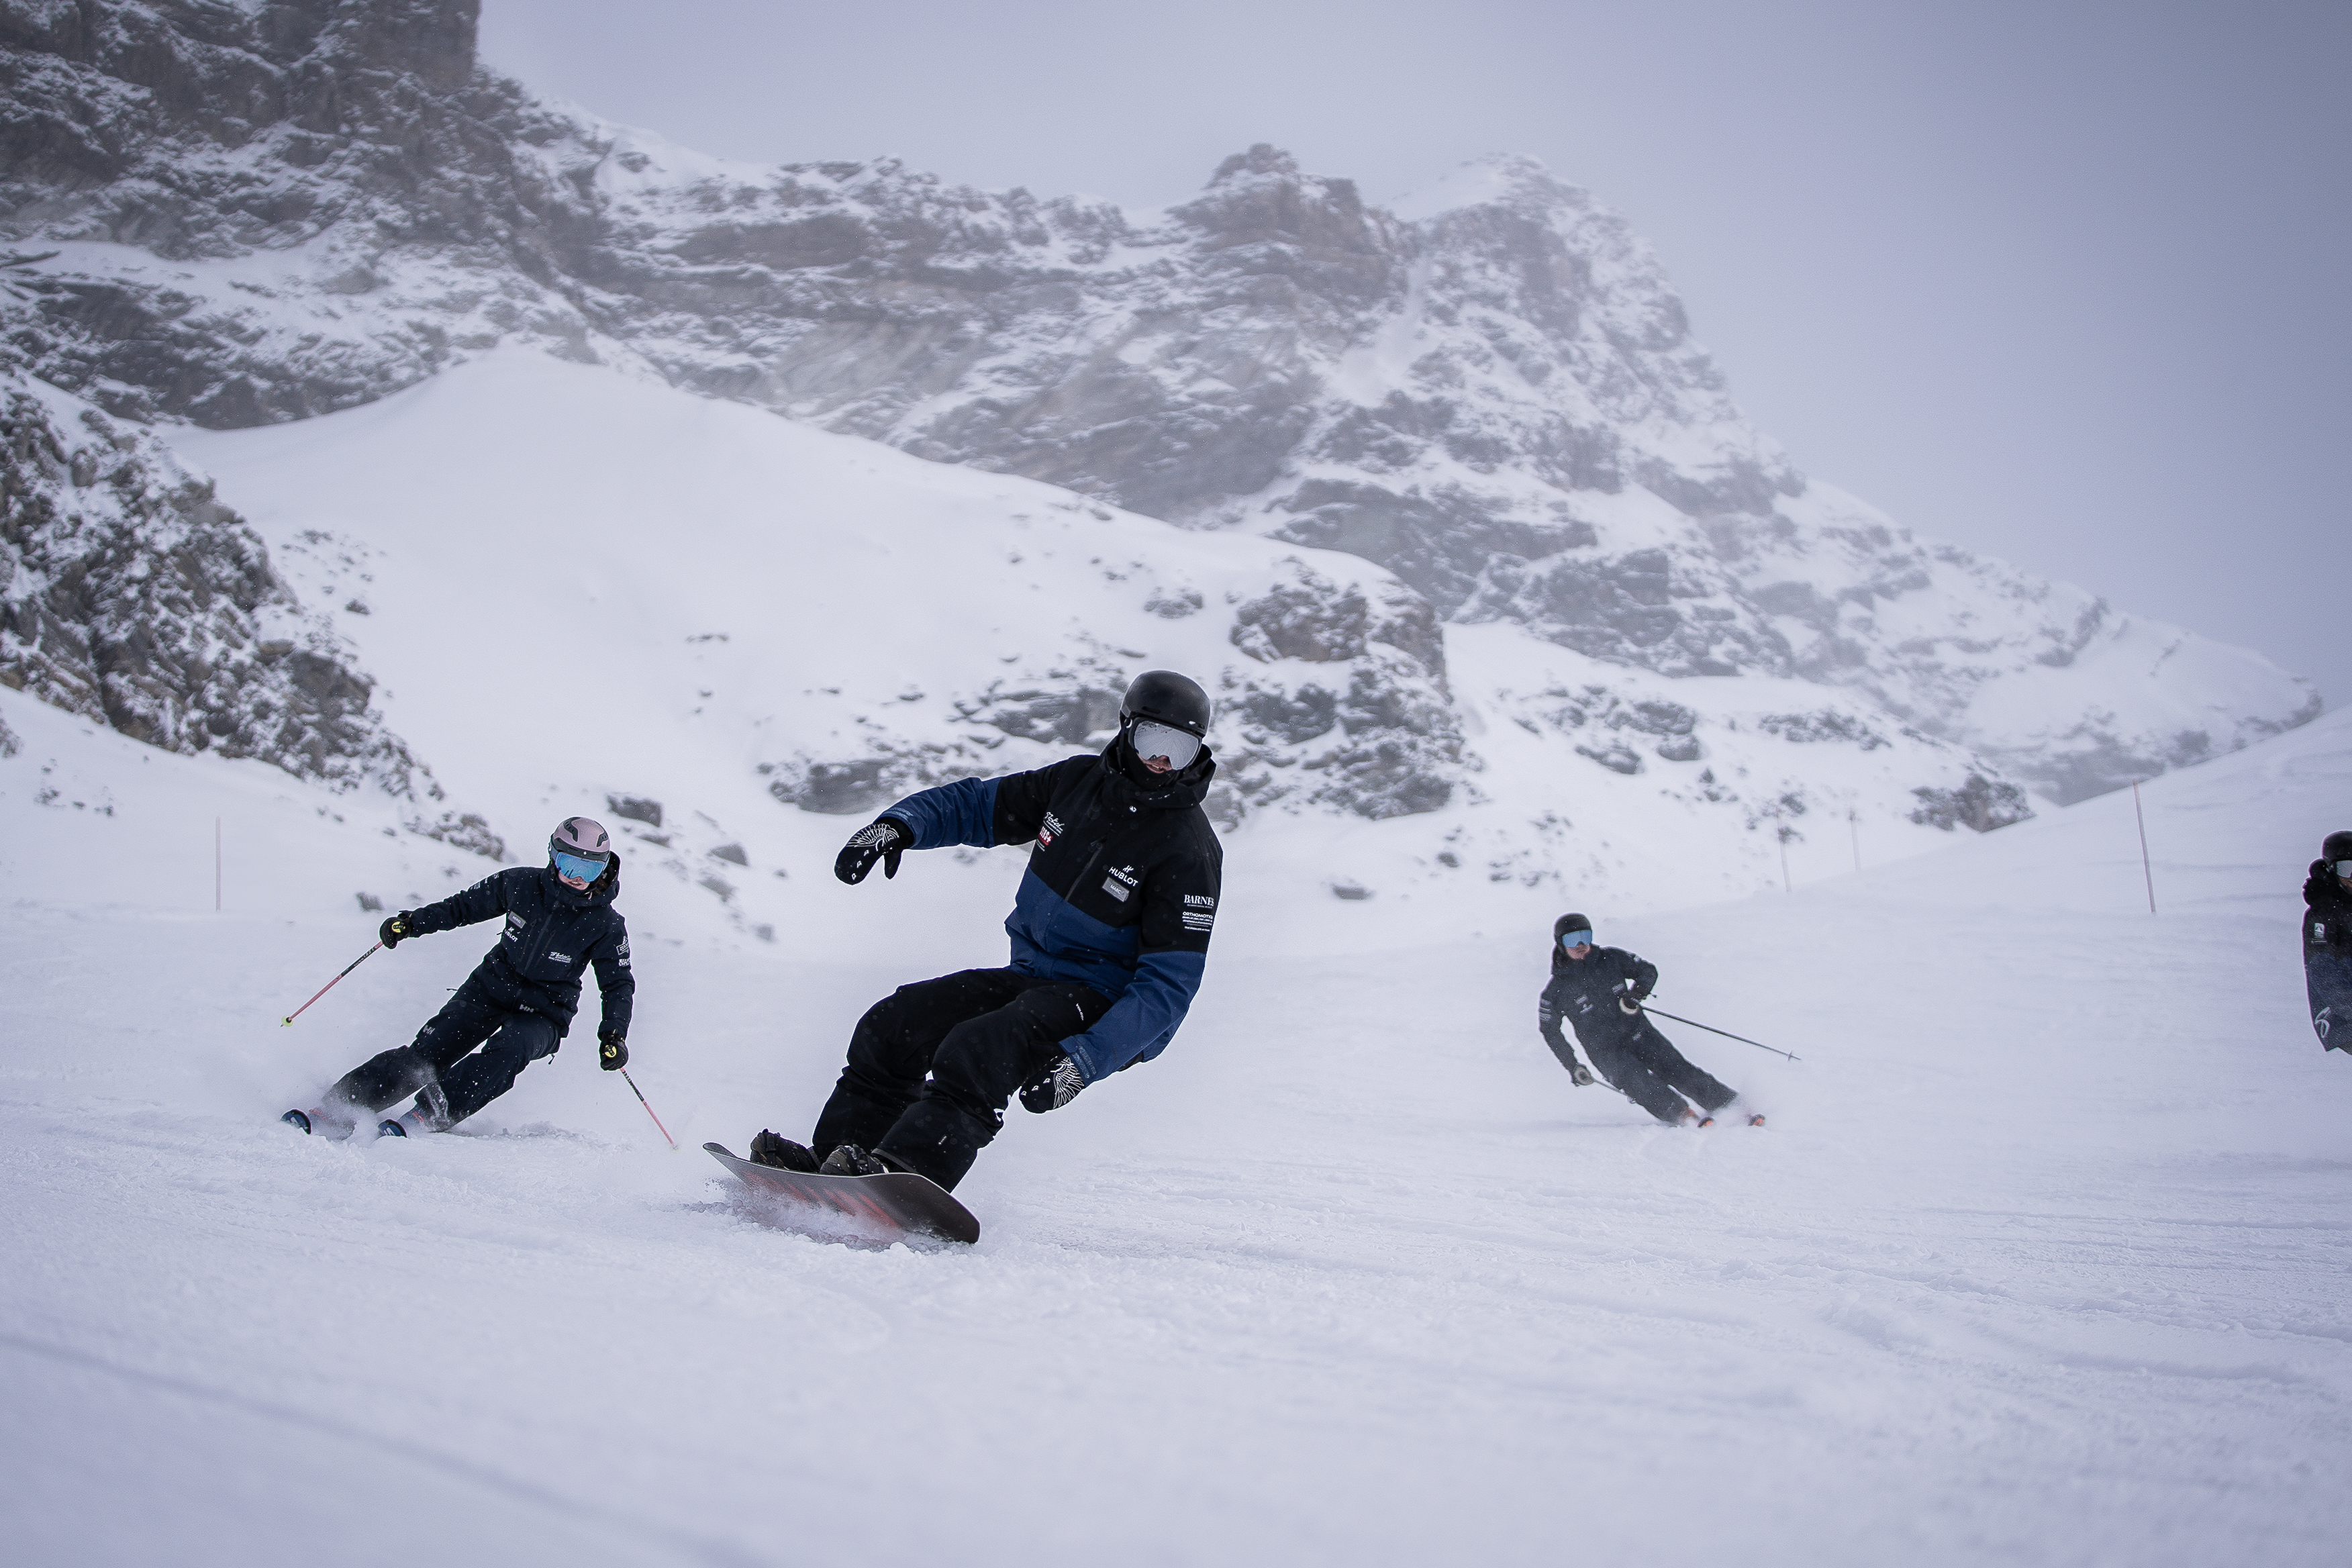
{"points": [[1152, 738], [1575, 938], [2344, 870], [579, 867]]}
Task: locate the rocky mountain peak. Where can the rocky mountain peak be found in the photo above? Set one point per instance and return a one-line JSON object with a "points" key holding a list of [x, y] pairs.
{"points": [[1491, 390]]}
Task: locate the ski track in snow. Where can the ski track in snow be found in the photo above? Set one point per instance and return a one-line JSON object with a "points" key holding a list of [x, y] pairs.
{"points": [[2042, 1258]]}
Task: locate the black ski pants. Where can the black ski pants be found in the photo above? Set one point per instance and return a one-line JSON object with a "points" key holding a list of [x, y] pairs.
{"points": [[443, 1053], [979, 1035], [1644, 1064]]}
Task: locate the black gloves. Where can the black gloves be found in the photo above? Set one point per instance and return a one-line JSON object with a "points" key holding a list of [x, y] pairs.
{"points": [[1579, 1074], [612, 1050], [393, 930], [884, 839], [1630, 995], [1054, 1087]]}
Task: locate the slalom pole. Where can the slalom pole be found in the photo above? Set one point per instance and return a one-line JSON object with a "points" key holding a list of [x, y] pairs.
{"points": [[1727, 1034], [330, 986], [642, 1100]]}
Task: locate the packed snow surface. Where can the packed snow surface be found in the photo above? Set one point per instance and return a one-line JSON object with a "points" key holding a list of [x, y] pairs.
{"points": [[2041, 1259]]}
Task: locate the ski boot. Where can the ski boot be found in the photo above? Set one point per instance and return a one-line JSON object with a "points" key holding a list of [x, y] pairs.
{"points": [[430, 1114], [321, 1120]]}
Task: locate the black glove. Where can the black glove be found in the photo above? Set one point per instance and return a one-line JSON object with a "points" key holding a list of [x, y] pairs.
{"points": [[393, 930], [1579, 1074], [1054, 1087], [612, 1050], [884, 839]]}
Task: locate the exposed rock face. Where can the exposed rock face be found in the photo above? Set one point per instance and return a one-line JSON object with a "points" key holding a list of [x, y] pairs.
{"points": [[129, 596], [240, 216]]}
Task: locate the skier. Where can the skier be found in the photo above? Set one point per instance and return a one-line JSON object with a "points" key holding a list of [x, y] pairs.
{"points": [[1600, 990], [1110, 935], [2327, 942], [559, 920]]}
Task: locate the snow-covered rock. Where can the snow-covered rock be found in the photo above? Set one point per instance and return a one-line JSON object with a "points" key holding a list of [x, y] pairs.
{"points": [[129, 596]]}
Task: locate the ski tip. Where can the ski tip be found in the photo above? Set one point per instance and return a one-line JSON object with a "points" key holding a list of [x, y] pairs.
{"points": [[297, 1121], [390, 1128], [1757, 1119]]}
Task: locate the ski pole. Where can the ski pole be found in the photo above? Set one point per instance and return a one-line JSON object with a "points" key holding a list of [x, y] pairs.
{"points": [[1727, 1034], [642, 1100], [330, 986]]}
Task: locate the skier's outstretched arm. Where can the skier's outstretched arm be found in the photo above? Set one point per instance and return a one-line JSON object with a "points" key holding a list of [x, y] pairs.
{"points": [[1547, 1025], [617, 984], [486, 900]]}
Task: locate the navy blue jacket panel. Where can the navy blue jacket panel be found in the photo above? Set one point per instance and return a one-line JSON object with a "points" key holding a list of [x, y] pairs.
{"points": [[1120, 892], [553, 934]]}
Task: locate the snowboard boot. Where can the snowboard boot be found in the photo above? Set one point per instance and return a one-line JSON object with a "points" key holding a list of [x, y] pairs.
{"points": [[783, 1153], [849, 1160]]}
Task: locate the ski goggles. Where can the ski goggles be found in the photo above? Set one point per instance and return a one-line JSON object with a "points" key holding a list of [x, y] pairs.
{"points": [[1576, 939], [1152, 738], [2344, 870], [578, 867]]}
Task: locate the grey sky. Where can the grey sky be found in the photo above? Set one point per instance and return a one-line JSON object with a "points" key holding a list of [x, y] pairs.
{"points": [[2066, 282]]}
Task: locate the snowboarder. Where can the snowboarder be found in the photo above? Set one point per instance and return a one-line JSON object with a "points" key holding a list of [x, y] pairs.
{"points": [[1600, 991], [2327, 942], [560, 920], [1110, 936]]}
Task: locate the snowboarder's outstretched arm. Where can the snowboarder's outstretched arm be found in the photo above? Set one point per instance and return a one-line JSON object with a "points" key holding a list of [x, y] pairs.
{"points": [[981, 813]]}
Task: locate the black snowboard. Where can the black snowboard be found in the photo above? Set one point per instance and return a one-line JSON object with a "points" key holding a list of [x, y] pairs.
{"points": [[897, 1203]]}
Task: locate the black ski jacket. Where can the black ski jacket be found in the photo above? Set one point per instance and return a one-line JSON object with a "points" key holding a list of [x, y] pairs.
{"points": [[1120, 893], [2328, 927], [1585, 994], [553, 934]]}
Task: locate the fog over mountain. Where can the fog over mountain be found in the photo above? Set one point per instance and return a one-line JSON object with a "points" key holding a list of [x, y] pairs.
{"points": [[241, 215]]}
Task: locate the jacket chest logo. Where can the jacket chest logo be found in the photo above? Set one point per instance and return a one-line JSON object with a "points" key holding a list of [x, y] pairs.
{"points": [[1051, 830], [558, 957], [1120, 882]]}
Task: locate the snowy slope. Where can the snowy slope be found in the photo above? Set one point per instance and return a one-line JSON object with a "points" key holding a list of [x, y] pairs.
{"points": [[2041, 1261], [581, 587]]}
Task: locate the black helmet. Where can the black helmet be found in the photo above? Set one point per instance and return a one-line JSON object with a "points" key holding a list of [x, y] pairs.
{"points": [[1567, 923], [1170, 698], [2339, 847]]}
